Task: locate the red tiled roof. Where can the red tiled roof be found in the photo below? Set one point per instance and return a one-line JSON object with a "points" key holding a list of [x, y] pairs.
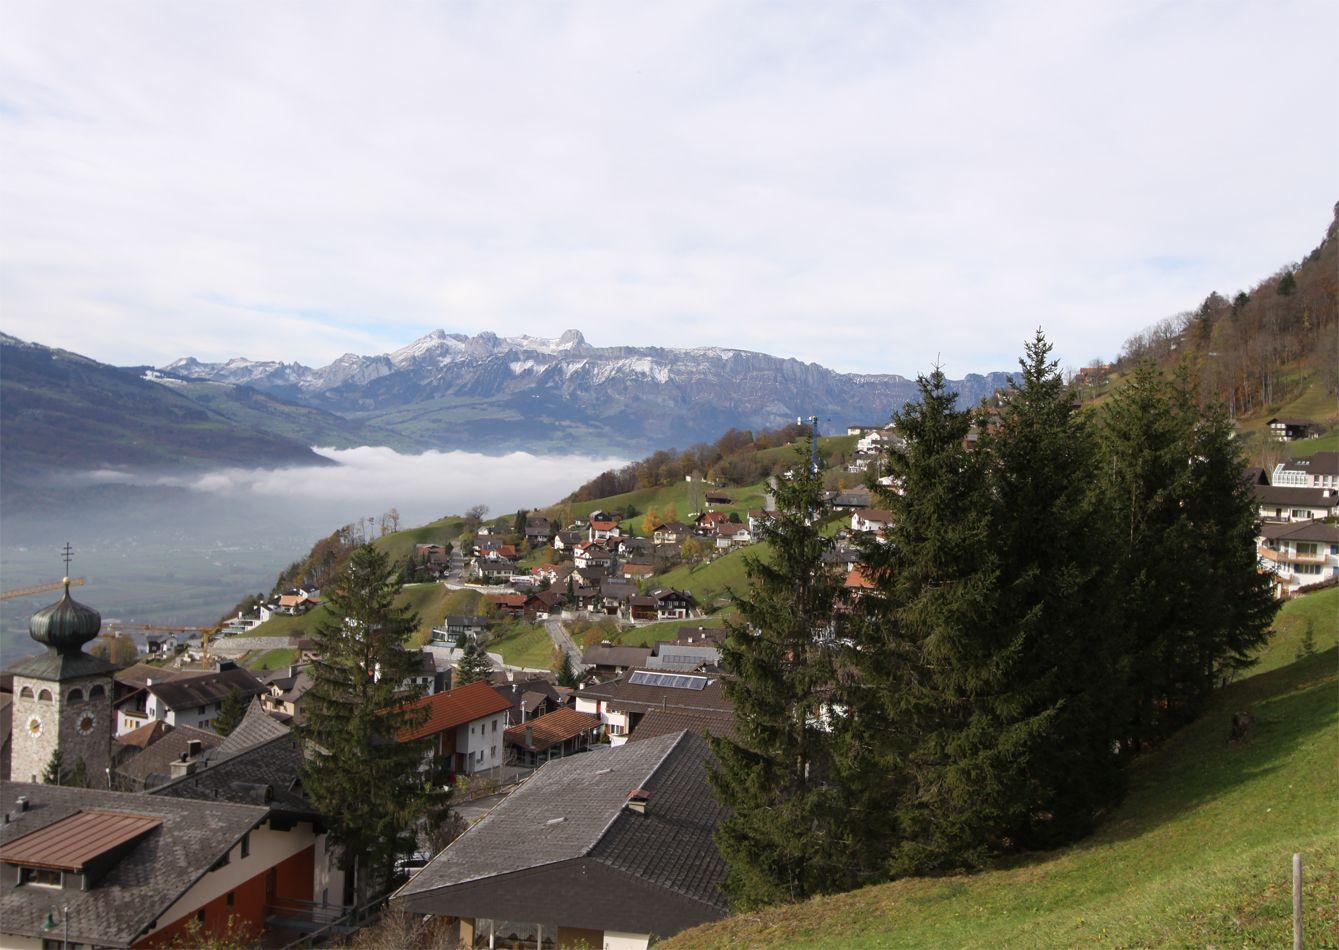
{"points": [[552, 728], [455, 708], [508, 600], [600, 525], [857, 578]]}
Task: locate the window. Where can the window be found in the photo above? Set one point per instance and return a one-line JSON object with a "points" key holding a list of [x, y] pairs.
{"points": [[495, 725], [246, 845], [228, 901], [44, 696], [97, 692], [42, 877], [26, 693], [76, 696]]}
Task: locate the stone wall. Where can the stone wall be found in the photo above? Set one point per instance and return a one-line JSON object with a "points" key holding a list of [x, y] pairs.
{"points": [[75, 716]]}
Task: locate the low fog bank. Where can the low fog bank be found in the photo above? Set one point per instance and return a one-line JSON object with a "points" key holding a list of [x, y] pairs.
{"points": [[182, 549]]}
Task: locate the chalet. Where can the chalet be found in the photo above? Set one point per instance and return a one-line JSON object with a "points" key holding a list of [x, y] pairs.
{"points": [[528, 698], [1287, 430], [674, 532], [606, 659], [285, 691], [758, 517], [1281, 503], [1320, 470], [567, 540], [621, 703], [431, 553], [591, 576], [511, 605], [610, 849], [857, 582], [187, 701], [1092, 375], [616, 595], [603, 527], [1299, 555], [870, 519], [717, 498], [551, 736], [543, 604], [538, 531], [493, 569], [878, 440], [456, 629], [664, 603], [465, 725], [731, 534], [591, 554], [851, 499], [118, 869], [708, 520], [630, 547]]}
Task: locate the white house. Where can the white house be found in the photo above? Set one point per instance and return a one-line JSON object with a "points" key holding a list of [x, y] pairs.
{"points": [[870, 519], [1320, 470], [1299, 555]]}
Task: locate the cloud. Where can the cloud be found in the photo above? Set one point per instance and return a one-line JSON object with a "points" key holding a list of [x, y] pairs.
{"points": [[370, 480], [870, 186]]}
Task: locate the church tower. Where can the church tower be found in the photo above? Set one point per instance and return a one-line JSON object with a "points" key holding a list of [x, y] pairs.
{"points": [[63, 698]]}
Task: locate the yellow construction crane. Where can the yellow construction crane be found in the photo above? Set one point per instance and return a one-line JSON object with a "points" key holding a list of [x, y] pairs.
{"points": [[116, 627], [40, 588]]}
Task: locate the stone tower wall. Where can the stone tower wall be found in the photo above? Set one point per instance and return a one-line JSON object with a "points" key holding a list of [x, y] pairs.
{"points": [[80, 723]]}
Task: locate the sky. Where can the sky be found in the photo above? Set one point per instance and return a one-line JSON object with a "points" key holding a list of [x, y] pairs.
{"points": [[872, 186]]}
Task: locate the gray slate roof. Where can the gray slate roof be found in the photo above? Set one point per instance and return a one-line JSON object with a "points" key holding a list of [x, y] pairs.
{"points": [[152, 766], [195, 691], [143, 883], [576, 808], [59, 667]]}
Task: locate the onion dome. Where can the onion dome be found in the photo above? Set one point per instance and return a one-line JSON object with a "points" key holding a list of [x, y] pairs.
{"points": [[66, 625]]}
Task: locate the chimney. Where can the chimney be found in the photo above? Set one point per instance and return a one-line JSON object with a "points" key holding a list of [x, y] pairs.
{"points": [[529, 736], [638, 800], [22, 803], [183, 766], [148, 681], [193, 748]]}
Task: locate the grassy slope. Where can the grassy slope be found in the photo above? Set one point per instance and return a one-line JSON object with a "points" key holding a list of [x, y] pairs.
{"points": [[428, 601], [524, 644], [1197, 854], [707, 582]]}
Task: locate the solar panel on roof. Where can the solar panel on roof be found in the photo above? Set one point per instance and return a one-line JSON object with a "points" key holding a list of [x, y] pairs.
{"points": [[672, 680]]}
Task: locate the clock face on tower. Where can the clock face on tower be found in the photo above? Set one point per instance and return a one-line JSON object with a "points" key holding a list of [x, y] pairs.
{"points": [[86, 723], [35, 726]]}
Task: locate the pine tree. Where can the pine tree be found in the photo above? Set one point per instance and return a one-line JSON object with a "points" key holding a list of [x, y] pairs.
{"points": [[783, 839], [1054, 642], [364, 779], [930, 672], [54, 772], [473, 665], [231, 711]]}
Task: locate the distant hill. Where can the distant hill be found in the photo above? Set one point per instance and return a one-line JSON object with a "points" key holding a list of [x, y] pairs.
{"points": [[492, 393], [63, 413]]}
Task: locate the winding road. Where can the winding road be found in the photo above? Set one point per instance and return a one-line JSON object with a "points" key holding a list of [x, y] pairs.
{"points": [[563, 640]]}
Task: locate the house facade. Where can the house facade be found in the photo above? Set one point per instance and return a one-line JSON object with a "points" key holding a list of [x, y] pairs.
{"points": [[465, 725], [1299, 555]]}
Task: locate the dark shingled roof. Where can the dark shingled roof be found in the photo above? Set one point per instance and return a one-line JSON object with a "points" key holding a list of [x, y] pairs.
{"points": [[195, 691], [602, 655], [139, 887], [59, 667], [257, 726], [1286, 495], [642, 697], [153, 765], [663, 722], [575, 808]]}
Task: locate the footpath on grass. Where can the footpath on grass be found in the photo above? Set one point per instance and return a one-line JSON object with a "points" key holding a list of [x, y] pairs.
{"points": [[1198, 854]]}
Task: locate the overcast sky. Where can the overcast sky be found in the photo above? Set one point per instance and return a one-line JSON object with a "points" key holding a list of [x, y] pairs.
{"points": [[869, 186]]}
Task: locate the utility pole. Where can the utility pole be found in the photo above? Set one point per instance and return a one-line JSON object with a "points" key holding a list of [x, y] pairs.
{"points": [[813, 444], [1297, 902]]}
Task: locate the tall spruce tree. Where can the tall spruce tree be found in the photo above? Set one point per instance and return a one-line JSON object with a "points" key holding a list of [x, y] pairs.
{"points": [[230, 713], [783, 838], [1144, 444], [949, 742], [1046, 530], [363, 777]]}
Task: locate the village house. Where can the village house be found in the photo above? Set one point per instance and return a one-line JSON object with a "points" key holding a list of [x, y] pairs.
{"points": [[1281, 503], [602, 526], [457, 629], [465, 725], [620, 703], [636, 570], [566, 861], [567, 540], [708, 520], [717, 498], [284, 692], [1288, 430], [850, 499], [591, 554], [606, 659], [870, 519], [186, 701], [538, 531], [1299, 555], [663, 603], [297, 600], [1320, 470], [117, 869], [674, 532], [552, 735], [679, 657], [493, 568], [510, 605], [877, 441], [730, 535], [528, 698]]}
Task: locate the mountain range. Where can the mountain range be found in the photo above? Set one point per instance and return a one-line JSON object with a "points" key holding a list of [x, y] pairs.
{"points": [[492, 393]]}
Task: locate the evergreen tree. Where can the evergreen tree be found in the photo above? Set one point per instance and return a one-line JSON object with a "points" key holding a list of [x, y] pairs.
{"points": [[54, 772], [566, 674], [518, 523], [931, 698], [473, 665], [784, 836], [1144, 458], [231, 711], [1045, 529], [361, 775]]}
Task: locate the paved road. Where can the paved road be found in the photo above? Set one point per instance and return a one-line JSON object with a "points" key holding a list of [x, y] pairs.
{"points": [[563, 640]]}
